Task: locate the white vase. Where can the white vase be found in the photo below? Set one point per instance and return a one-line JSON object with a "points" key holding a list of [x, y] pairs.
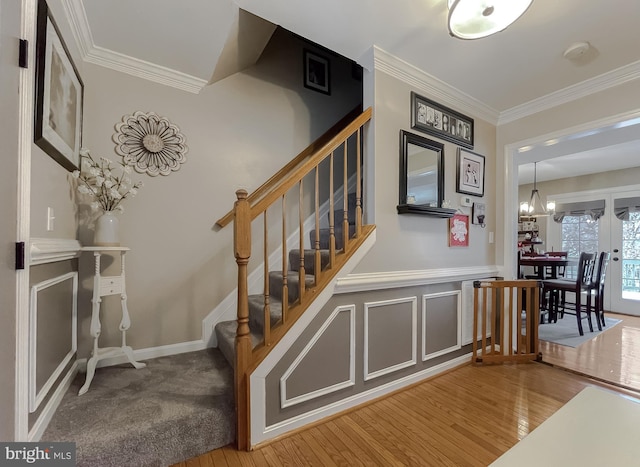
{"points": [[107, 227]]}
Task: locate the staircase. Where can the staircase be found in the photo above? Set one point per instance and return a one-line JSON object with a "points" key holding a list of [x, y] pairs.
{"points": [[226, 330], [296, 191]]}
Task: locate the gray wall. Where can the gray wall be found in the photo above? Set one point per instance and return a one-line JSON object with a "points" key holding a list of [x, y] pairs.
{"points": [[415, 242], [9, 71], [239, 132]]}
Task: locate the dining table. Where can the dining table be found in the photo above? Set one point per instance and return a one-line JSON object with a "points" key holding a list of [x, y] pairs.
{"points": [[544, 264]]}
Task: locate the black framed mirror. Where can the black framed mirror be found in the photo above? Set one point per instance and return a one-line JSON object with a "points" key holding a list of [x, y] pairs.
{"points": [[421, 176]]}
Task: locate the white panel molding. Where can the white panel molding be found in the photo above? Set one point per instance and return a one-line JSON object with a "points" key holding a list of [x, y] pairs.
{"points": [[285, 401], [457, 345], [51, 250], [414, 332], [596, 84], [259, 375], [36, 397], [76, 15], [261, 433], [394, 279], [432, 86], [40, 425], [227, 308]]}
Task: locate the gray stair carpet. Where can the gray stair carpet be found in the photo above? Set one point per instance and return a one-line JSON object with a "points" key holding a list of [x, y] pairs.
{"points": [[175, 408]]}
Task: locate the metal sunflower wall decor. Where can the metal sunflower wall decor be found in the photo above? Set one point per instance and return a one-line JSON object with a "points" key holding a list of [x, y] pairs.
{"points": [[150, 143]]}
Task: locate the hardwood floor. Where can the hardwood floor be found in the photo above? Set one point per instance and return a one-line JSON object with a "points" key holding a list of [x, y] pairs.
{"points": [[467, 417], [613, 356]]}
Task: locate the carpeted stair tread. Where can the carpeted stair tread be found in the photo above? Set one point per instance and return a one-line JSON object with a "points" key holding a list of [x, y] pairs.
{"points": [[309, 260], [276, 282], [256, 312], [226, 334], [325, 236], [177, 407]]}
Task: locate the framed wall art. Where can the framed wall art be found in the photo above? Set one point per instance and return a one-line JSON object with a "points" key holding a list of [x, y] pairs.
{"points": [[478, 214], [438, 120], [59, 95], [459, 230], [317, 73], [470, 173]]}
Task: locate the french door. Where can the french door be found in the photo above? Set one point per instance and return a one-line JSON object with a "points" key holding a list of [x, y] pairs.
{"points": [[619, 237], [625, 259]]}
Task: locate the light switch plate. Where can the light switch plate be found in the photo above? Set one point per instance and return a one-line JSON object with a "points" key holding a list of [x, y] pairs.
{"points": [[466, 201]]}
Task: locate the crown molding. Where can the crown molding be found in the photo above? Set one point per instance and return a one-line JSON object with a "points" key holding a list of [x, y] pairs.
{"points": [[434, 87], [77, 18], [599, 83]]}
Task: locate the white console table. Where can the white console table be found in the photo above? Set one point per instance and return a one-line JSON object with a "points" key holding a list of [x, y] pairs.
{"points": [[103, 286]]}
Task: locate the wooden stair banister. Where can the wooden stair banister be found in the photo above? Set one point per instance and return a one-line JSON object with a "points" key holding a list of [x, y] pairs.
{"points": [[297, 291]]}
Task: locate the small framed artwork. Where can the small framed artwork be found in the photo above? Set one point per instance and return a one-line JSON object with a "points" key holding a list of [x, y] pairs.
{"points": [[470, 173], [478, 213], [317, 73], [459, 230], [59, 95], [430, 117]]}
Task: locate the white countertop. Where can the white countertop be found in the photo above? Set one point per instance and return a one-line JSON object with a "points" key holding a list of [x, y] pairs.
{"points": [[595, 428]]}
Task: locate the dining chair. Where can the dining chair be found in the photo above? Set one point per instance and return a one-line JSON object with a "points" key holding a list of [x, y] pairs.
{"points": [[596, 289], [582, 284]]}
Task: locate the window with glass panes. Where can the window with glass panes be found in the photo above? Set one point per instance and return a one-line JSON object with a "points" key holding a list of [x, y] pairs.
{"points": [[631, 256], [579, 235]]}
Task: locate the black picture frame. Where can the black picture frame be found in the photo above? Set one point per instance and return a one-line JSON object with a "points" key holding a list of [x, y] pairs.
{"points": [[59, 94], [317, 72], [470, 173], [440, 121], [478, 214]]}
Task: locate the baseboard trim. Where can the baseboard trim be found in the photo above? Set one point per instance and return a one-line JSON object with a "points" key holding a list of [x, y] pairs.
{"points": [[49, 410], [272, 431], [148, 353]]}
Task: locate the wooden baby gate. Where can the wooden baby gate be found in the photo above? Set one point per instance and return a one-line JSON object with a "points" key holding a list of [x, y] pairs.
{"points": [[505, 321]]}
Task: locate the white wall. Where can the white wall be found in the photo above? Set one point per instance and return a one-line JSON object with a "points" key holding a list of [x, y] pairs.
{"points": [[416, 242]]}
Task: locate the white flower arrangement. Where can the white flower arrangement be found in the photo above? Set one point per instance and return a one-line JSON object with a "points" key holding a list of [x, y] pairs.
{"points": [[99, 181]]}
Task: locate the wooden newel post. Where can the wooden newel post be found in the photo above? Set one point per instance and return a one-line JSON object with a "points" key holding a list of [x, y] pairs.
{"points": [[242, 252]]}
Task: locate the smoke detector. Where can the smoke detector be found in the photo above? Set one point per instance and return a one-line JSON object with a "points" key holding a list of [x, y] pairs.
{"points": [[576, 50]]}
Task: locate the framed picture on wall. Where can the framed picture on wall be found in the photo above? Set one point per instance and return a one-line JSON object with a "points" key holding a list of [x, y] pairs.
{"points": [[470, 173], [59, 95], [317, 74], [478, 213], [459, 230], [430, 117]]}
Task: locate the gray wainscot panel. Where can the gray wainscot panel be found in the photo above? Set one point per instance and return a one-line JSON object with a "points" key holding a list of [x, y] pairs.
{"points": [[392, 327], [53, 327]]}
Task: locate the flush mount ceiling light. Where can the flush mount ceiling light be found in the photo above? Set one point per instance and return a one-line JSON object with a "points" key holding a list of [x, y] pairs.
{"points": [[473, 19]]}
